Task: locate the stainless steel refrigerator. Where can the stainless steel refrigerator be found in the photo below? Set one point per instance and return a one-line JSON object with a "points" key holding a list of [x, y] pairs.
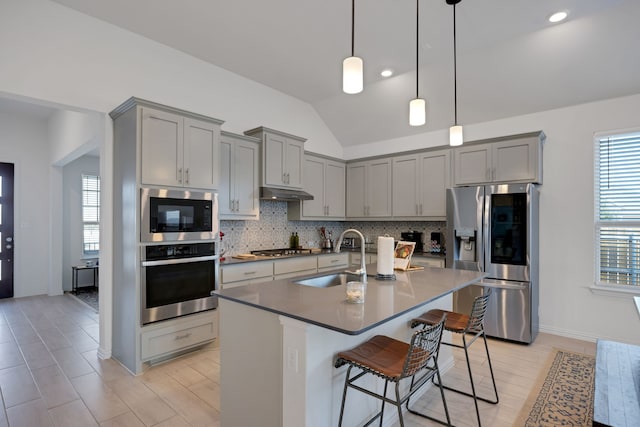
{"points": [[494, 228]]}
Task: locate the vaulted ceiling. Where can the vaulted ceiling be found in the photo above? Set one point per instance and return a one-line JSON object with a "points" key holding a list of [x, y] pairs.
{"points": [[511, 60]]}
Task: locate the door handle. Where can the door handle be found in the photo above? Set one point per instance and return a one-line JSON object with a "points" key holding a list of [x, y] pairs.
{"points": [[9, 246]]}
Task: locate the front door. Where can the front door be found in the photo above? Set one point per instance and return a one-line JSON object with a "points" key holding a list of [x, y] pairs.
{"points": [[6, 230]]}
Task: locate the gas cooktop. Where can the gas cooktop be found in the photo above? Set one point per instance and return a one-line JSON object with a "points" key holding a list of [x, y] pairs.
{"points": [[281, 252]]}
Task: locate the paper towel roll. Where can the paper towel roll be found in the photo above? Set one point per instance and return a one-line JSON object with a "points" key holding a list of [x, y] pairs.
{"points": [[385, 255]]}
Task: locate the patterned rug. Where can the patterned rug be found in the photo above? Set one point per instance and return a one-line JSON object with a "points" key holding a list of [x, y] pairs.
{"points": [[88, 296], [564, 395]]}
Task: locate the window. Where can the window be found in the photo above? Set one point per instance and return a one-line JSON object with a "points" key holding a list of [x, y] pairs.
{"points": [[90, 214], [617, 203]]}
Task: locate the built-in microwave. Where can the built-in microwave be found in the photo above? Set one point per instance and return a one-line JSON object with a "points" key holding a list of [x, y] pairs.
{"points": [[177, 215]]}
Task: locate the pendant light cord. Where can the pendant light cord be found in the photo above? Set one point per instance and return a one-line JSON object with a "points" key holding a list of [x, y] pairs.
{"points": [[417, 45], [455, 70], [353, 25]]}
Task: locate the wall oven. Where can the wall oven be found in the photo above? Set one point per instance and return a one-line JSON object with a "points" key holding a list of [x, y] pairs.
{"points": [[177, 215], [178, 279]]}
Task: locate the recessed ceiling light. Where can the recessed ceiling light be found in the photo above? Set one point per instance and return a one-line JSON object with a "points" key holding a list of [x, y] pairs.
{"points": [[386, 72], [558, 16]]}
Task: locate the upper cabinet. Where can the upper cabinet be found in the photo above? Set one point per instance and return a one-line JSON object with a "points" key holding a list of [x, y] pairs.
{"points": [[420, 182], [515, 158], [178, 149], [282, 158], [239, 188], [325, 180], [369, 189]]}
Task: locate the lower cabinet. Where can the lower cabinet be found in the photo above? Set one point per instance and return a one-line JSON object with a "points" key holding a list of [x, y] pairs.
{"points": [[355, 257], [427, 261], [333, 261], [166, 338], [246, 273]]}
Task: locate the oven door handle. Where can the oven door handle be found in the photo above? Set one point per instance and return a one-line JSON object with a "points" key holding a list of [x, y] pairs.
{"points": [[178, 261]]}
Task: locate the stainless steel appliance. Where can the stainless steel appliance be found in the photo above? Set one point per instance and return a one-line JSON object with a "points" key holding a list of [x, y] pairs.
{"points": [[413, 236], [178, 279], [177, 215], [494, 228]]}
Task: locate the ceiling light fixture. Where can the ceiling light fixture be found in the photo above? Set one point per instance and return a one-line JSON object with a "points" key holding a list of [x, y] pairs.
{"points": [[352, 74], [455, 131], [558, 16], [386, 72], [417, 106]]}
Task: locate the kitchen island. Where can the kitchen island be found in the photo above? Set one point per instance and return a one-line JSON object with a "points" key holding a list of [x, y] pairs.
{"points": [[278, 341]]}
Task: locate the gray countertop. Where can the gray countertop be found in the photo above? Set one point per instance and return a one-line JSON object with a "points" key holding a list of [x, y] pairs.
{"points": [[327, 307]]}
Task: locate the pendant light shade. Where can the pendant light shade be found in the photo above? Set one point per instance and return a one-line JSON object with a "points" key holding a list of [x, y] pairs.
{"points": [[417, 106], [352, 71], [352, 67], [417, 115], [455, 131], [455, 135]]}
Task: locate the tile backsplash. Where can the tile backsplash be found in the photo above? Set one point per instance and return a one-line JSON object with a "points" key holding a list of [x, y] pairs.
{"points": [[273, 230]]}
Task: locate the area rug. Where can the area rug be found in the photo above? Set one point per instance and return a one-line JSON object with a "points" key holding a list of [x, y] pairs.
{"points": [[89, 297], [563, 393]]}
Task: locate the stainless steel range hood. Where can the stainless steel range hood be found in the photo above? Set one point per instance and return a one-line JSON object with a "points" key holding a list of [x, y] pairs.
{"points": [[285, 195]]}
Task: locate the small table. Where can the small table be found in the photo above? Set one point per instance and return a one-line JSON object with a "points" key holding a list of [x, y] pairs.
{"points": [[74, 276]]}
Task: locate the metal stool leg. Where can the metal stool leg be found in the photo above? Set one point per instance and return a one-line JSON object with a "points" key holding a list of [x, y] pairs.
{"points": [[344, 395]]}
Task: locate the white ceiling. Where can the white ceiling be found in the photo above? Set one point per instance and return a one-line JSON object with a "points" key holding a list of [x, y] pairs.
{"points": [[511, 61]]}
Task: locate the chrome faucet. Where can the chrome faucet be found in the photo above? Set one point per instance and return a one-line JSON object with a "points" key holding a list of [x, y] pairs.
{"points": [[362, 271]]}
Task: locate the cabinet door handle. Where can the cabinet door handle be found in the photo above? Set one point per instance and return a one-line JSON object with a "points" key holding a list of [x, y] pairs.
{"points": [[183, 336], [420, 208], [186, 172], [179, 175], [237, 205], [284, 178], [249, 273]]}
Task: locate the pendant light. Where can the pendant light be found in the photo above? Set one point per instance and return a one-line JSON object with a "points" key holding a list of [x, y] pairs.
{"points": [[455, 131], [352, 80], [417, 105]]}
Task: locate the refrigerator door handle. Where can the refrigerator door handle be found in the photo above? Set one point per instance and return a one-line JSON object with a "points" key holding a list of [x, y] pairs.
{"points": [[504, 284]]}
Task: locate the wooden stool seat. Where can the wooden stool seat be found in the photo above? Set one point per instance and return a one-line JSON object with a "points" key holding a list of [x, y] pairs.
{"points": [[393, 361], [456, 322], [381, 355], [472, 324]]}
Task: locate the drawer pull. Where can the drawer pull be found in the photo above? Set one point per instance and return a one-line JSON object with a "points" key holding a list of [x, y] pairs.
{"points": [[183, 336], [248, 273], [334, 261]]}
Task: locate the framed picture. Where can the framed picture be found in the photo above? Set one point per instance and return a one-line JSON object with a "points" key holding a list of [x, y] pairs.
{"points": [[402, 255]]}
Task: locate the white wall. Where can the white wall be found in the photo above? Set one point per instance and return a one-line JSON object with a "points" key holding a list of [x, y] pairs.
{"points": [[53, 53], [567, 238], [23, 141], [72, 218]]}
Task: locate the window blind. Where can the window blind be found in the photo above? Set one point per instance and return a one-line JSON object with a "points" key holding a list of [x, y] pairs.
{"points": [[618, 209], [90, 214]]}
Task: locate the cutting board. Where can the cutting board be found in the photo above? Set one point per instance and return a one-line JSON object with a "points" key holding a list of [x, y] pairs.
{"points": [[244, 256]]}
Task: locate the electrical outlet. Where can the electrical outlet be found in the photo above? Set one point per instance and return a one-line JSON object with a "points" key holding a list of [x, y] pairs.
{"points": [[292, 359]]}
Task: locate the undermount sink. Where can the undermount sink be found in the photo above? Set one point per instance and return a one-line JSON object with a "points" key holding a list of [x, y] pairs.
{"points": [[333, 279]]}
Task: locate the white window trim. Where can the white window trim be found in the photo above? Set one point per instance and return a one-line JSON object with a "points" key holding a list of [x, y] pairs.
{"points": [[599, 288]]}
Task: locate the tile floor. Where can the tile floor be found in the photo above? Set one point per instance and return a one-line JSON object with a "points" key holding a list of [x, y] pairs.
{"points": [[50, 375]]}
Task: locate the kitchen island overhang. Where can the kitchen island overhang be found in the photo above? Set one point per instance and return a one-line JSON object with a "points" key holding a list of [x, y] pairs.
{"points": [[278, 341]]}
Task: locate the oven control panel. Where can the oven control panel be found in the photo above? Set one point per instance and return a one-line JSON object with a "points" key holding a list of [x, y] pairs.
{"points": [[158, 252]]}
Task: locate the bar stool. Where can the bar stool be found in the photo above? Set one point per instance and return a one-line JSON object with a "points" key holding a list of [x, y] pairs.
{"points": [[394, 360], [472, 324]]}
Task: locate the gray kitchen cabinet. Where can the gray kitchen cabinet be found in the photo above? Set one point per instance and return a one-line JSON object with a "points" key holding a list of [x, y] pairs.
{"points": [[233, 275], [420, 182], [424, 261], [238, 194], [333, 261], [179, 151], [282, 158], [296, 266], [325, 180], [515, 158], [355, 257], [369, 189], [154, 145]]}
